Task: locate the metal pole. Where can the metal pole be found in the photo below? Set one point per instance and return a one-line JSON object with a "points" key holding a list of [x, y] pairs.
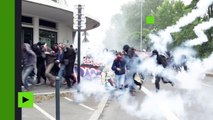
{"points": [[79, 42], [141, 39], [57, 96]]}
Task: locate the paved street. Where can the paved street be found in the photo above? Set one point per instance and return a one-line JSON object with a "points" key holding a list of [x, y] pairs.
{"points": [[69, 109], [193, 109], [117, 108]]}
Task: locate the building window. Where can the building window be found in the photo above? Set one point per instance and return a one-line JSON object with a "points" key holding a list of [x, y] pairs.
{"points": [[27, 35], [27, 20], [48, 37], [48, 24]]}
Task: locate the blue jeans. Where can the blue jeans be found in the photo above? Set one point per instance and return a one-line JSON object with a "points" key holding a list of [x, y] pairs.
{"points": [[119, 80], [130, 81], [61, 72], [25, 74]]}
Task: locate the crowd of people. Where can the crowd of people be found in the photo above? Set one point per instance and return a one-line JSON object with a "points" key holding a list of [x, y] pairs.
{"points": [[48, 63], [58, 62], [128, 74]]}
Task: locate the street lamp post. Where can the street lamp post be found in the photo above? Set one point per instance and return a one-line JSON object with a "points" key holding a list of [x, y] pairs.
{"points": [[79, 42], [79, 24]]}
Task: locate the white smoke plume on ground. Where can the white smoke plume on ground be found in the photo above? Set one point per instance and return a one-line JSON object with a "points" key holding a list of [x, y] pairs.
{"points": [[92, 85], [152, 107], [88, 88], [198, 99]]}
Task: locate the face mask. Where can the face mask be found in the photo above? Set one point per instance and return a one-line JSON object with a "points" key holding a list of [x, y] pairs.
{"points": [[119, 57]]}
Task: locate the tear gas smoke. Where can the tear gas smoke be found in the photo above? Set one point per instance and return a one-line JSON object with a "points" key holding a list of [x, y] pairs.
{"points": [[190, 91]]}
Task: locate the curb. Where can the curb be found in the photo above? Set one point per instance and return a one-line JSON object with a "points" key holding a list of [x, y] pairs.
{"points": [[40, 97]]}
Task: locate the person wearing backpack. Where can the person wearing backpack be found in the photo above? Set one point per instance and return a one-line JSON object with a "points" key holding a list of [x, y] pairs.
{"points": [[161, 60]]}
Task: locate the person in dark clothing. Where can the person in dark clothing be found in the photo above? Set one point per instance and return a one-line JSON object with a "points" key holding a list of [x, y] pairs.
{"points": [[132, 66], [119, 67], [38, 49], [161, 60], [125, 49], [132, 61], [69, 61]]}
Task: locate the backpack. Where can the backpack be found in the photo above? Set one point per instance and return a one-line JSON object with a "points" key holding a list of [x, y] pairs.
{"points": [[163, 60]]}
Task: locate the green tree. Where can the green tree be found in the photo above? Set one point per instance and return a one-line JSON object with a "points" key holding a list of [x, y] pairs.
{"points": [[206, 48], [168, 14]]}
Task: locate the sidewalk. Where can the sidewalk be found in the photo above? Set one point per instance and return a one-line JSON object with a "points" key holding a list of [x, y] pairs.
{"points": [[46, 92], [70, 108]]}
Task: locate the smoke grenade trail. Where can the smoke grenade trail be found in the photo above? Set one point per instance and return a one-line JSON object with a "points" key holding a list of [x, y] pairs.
{"points": [[163, 37], [199, 31], [200, 11]]}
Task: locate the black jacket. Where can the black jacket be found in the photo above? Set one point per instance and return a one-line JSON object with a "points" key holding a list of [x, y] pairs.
{"points": [[70, 55]]}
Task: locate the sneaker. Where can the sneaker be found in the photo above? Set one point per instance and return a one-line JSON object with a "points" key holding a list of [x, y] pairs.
{"points": [[140, 87], [64, 83], [37, 84], [172, 84], [73, 83], [52, 84], [68, 87], [27, 88], [133, 93]]}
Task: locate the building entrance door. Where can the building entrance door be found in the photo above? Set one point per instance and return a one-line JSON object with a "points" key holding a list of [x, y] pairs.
{"points": [[27, 35]]}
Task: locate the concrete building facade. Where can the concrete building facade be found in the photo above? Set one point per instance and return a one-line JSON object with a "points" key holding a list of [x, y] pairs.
{"points": [[50, 21]]}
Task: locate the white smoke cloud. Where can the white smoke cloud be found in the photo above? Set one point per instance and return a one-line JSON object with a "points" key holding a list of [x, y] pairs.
{"points": [[161, 40], [207, 63], [176, 102], [179, 52], [157, 106], [88, 88]]}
